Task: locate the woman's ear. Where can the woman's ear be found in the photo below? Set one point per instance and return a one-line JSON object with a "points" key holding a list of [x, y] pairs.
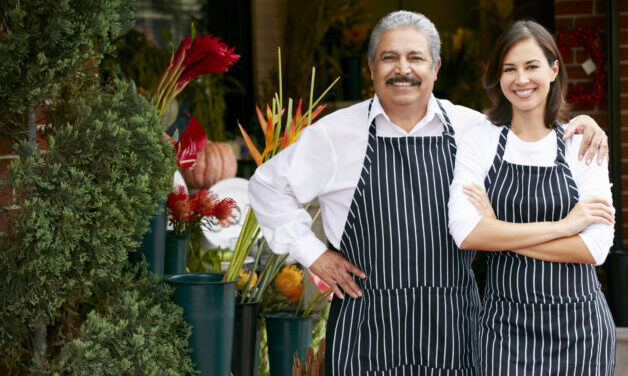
{"points": [[554, 69]]}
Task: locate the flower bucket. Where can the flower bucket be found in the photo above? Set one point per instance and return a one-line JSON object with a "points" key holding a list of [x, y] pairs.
{"points": [[176, 253], [246, 340], [287, 334], [209, 306], [154, 243]]}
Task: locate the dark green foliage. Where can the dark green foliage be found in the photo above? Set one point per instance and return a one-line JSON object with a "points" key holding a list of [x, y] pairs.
{"points": [[43, 43], [69, 302], [136, 58], [84, 205], [137, 331]]}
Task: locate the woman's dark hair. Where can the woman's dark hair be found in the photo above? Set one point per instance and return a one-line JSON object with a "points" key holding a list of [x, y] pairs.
{"points": [[555, 108]]}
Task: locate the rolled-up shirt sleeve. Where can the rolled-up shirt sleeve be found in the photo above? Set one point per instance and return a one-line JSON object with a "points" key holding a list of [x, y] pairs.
{"points": [[280, 187], [473, 159], [592, 181]]}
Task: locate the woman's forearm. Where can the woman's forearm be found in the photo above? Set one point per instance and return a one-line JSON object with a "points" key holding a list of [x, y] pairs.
{"points": [[569, 249], [491, 234]]}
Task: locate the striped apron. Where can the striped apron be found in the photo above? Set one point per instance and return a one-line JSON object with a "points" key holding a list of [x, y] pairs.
{"points": [[540, 318], [418, 312]]}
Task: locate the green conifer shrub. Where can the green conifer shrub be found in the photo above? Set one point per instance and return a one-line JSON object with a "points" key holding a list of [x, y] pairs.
{"points": [[43, 43], [70, 304], [84, 205], [135, 333]]}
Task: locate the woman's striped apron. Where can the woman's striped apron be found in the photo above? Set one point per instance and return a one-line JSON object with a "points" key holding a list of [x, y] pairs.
{"points": [[540, 318], [418, 312]]}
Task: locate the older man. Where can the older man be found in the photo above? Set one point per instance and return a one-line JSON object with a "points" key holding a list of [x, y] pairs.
{"points": [[381, 170]]}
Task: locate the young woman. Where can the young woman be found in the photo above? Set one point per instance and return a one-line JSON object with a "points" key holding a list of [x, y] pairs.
{"points": [[545, 216]]}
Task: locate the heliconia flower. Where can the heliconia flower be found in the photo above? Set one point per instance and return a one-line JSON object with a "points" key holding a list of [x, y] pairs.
{"points": [[204, 203], [288, 282], [205, 55], [297, 124], [225, 211], [192, 141], [257, 157]]}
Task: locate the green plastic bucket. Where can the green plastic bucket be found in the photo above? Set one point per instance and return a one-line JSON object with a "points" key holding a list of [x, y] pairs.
{"points": [[287, 335], [209, 306], [176, 253], [246, 340], [154, 243]]}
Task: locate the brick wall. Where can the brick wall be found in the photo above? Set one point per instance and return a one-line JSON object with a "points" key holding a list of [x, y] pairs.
{"points": [[570, 14]]}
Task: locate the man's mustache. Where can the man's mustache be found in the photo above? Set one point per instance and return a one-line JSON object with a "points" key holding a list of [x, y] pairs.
{"points": [[410, 79]]}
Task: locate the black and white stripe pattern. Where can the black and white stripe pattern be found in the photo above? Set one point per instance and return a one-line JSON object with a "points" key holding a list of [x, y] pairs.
{"points": [[417, 315], [540, 318]]}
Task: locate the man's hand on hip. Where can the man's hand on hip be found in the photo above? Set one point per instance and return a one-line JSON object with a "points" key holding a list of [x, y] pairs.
{"points": [[336, 271]]}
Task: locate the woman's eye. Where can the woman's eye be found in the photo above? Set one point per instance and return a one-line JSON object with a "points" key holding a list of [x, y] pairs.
{"points": [[509, 69], [532, 66]]}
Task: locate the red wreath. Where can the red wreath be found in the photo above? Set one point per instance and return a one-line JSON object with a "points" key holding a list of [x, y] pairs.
{"points": [[590, 92]]}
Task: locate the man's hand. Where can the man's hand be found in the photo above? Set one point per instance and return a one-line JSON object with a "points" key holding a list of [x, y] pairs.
{"points": [[593, 138], [336, 271]]}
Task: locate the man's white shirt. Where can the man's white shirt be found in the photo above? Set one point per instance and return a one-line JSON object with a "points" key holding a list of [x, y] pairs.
{"points": [[326, 162]]}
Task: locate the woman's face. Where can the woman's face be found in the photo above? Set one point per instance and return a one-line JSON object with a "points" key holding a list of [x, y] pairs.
{"points": [[526, 76]]}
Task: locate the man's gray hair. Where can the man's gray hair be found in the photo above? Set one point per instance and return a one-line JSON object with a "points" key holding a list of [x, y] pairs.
{"points": [[403, 19]]}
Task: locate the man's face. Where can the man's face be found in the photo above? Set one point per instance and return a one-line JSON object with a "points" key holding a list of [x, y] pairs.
{"points": [[402, 71]]}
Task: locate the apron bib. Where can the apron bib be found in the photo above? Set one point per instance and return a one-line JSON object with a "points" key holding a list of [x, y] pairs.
{"points": [[538, 317], [418, 312]]}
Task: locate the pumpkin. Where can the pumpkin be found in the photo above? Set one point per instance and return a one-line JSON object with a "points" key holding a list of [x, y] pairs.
{"points": [[214, 163]]}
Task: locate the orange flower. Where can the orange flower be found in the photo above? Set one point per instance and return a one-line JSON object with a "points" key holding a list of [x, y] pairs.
{"points": [[288, 282], [277, 142], [244, 279]]}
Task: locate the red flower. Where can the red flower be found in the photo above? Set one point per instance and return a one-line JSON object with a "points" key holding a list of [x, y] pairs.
{"points": [[225, 211], [204, 203], [205, 55], [184, 47], [192, 141], [180, 205]]}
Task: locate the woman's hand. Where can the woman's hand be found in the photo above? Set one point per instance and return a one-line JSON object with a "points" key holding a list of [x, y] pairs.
{"points": [[594, 140], [586, 212], [478, 197]]}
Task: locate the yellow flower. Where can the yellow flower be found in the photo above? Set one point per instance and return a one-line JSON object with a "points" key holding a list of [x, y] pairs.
{"points": [[245, 275], [288, 282]]}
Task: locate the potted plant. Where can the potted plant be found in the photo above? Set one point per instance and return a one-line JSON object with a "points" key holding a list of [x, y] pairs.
{"points": [[188, 213], [208, 302], [251, 289], [196, 56], [289, 331]]}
